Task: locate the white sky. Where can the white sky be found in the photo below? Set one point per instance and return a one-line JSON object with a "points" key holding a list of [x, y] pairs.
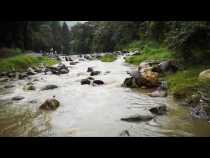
{"points": [[72, 23]]}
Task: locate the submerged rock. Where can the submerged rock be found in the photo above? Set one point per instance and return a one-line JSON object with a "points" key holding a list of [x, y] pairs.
{"points": [[107, 72], [50, 104], [160, 110], [30, 88], [49, 87], [21, 76], [158, 93], [138, 118], [73, 63], [94, 73], [85, 81], [60, 69], [98, 82], [90, 69], [130, 82], [4, 79], [16, 98], [90, 78], [9, 86]]}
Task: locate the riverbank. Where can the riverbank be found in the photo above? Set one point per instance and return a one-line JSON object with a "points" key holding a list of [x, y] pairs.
{"points": [[108, 58], [185, 84], [20, 62]]}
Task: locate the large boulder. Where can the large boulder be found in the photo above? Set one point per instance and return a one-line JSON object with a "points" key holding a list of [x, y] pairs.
{"points": [[50, 104], [145, 78], [205, 75], [49, 87], [169, 66]]}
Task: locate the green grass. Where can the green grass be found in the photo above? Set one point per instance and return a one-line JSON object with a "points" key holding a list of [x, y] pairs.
{"points": [[150, 51], [23, 61], [184, 83], [108, 58]]}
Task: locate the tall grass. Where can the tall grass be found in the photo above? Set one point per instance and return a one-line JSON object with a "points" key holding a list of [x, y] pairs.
{"points": [[108, 58], [150, 51], [22, 62]]}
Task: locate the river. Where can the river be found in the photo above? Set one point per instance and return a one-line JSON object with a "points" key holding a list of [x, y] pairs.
{"points": [[91, 111]]}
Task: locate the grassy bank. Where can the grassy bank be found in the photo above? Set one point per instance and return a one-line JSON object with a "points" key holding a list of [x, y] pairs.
{"points": [[182, 84], [149, 51], [108, 58], [23, 61]]}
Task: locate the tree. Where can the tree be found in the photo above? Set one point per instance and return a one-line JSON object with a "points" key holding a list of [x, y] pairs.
{"points": [[66, 38]]}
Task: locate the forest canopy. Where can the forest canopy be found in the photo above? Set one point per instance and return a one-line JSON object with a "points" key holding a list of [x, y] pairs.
{"points": [[187, 38]]}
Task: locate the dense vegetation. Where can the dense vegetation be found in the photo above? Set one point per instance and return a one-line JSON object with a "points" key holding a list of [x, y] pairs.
{"points": [[34, 35], [186, 38], [23, 61], [108, 58]]}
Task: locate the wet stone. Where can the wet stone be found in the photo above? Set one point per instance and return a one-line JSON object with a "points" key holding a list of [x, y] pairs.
{"points": [[17, 98]]}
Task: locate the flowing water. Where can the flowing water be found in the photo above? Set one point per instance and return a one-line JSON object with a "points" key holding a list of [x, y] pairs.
{"points": [[88, 110]]}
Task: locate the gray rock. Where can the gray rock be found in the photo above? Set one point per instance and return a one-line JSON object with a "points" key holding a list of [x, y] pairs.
{"points": [[16, 98], [98, 82], [21, 76], [138, 118], [9, 86], [4, 79], [90, 69], [64, 71], [94, 73], [90, 78], [166, 66], [50, 104], [30, 88], [49, 87], [159, 93], [160, 110], [73, 63], [85, 81], [130, 83], [30, 71], [11, 74]]}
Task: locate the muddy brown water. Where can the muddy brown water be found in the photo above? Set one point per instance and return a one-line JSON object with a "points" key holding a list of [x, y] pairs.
{"points": [[93, 111]]}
